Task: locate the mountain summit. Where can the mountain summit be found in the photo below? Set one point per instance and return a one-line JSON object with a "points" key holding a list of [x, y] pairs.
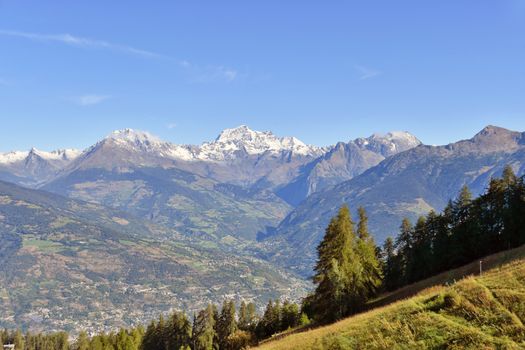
{"points": [[390, 143], [251, 142]]}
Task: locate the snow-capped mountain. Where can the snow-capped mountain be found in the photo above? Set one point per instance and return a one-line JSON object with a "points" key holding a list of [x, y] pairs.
{"points": [[12, 157], [390, 143], [239, 156], [57, 155], [33, 167], [230, 145], [345, 161], [243, 139], [404, 185]]}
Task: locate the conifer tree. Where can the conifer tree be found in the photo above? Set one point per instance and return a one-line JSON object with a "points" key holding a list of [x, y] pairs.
{"points": [[204, 330], [367, 254], [404, 245], [227, 324], [82, 342], [392, 266], [18, 340], [338, 273], [178, 333], [247, 315]]}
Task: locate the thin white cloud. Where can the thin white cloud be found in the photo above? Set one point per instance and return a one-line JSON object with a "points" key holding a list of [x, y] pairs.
{"points": [[171, 125], [91, 99], [208, 74], [81, 42], [367, 73], [197, 73]]}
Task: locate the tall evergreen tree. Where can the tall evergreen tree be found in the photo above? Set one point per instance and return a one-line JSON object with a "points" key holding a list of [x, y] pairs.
{"points": [[338, 273], [366, 250], [392, 266], [247, 316], [82, 342], [404, 244], [204, 330], [227, 324]]}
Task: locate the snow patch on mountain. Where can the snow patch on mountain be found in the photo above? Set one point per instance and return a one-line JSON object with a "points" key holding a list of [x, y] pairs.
{"points": [[389, 143], [60, 154], [12, 157], [57, 155], [252, 142], [136, 140], [230, 144]]}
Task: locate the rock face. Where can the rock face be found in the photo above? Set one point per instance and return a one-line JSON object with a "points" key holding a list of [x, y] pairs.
{"points": [[408, 184]]}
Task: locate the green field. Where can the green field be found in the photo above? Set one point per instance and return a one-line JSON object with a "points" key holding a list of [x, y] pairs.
{"points": [[477, 312]]}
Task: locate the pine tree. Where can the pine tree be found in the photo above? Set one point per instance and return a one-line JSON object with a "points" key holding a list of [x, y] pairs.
{"points": [[367, 254], [338, 273], [404, 244], [290, 315], [160, 337], [18, 340], [203, 330], [149, 341], [82, 342], [226, 324], [421, 253], [247, 316], [392, 266], [178, 332]]}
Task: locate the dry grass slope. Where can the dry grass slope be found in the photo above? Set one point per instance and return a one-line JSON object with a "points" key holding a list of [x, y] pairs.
{"points": [[478, 312]]}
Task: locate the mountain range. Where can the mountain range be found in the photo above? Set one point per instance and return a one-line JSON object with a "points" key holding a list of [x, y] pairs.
{"points": [[248, 200], [408, 184], [241, 184]]}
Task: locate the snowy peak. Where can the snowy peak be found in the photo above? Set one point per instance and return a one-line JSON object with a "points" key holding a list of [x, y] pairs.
{"points": [[133, 137], [13, 157], [240, 133], [252, 142], [390, 143], [57, 155], [396, 137], [131, 140]]}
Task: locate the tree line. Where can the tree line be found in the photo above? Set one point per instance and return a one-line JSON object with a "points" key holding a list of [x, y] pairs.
{"points": [[210, 329], [351, 269], [466, 230]]}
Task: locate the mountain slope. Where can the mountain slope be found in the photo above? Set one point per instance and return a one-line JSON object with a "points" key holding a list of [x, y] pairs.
{"points": [[66, 264], [408, 184], [345, 161], [242, 184], [136, 172], [476, 313]]}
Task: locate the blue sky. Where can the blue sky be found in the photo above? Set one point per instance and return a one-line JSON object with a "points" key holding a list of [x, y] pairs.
{"points": [[324, 71]]}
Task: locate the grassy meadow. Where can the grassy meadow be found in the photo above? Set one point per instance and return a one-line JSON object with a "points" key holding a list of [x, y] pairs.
{"points": [[477, 312]]}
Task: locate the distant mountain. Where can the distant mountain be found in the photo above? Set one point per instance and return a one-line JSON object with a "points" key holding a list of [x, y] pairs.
{"points": [[407, 184], [345, 161], [241, 184], [34, 167], [138, 173], [242, 140], [70, 265]]}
